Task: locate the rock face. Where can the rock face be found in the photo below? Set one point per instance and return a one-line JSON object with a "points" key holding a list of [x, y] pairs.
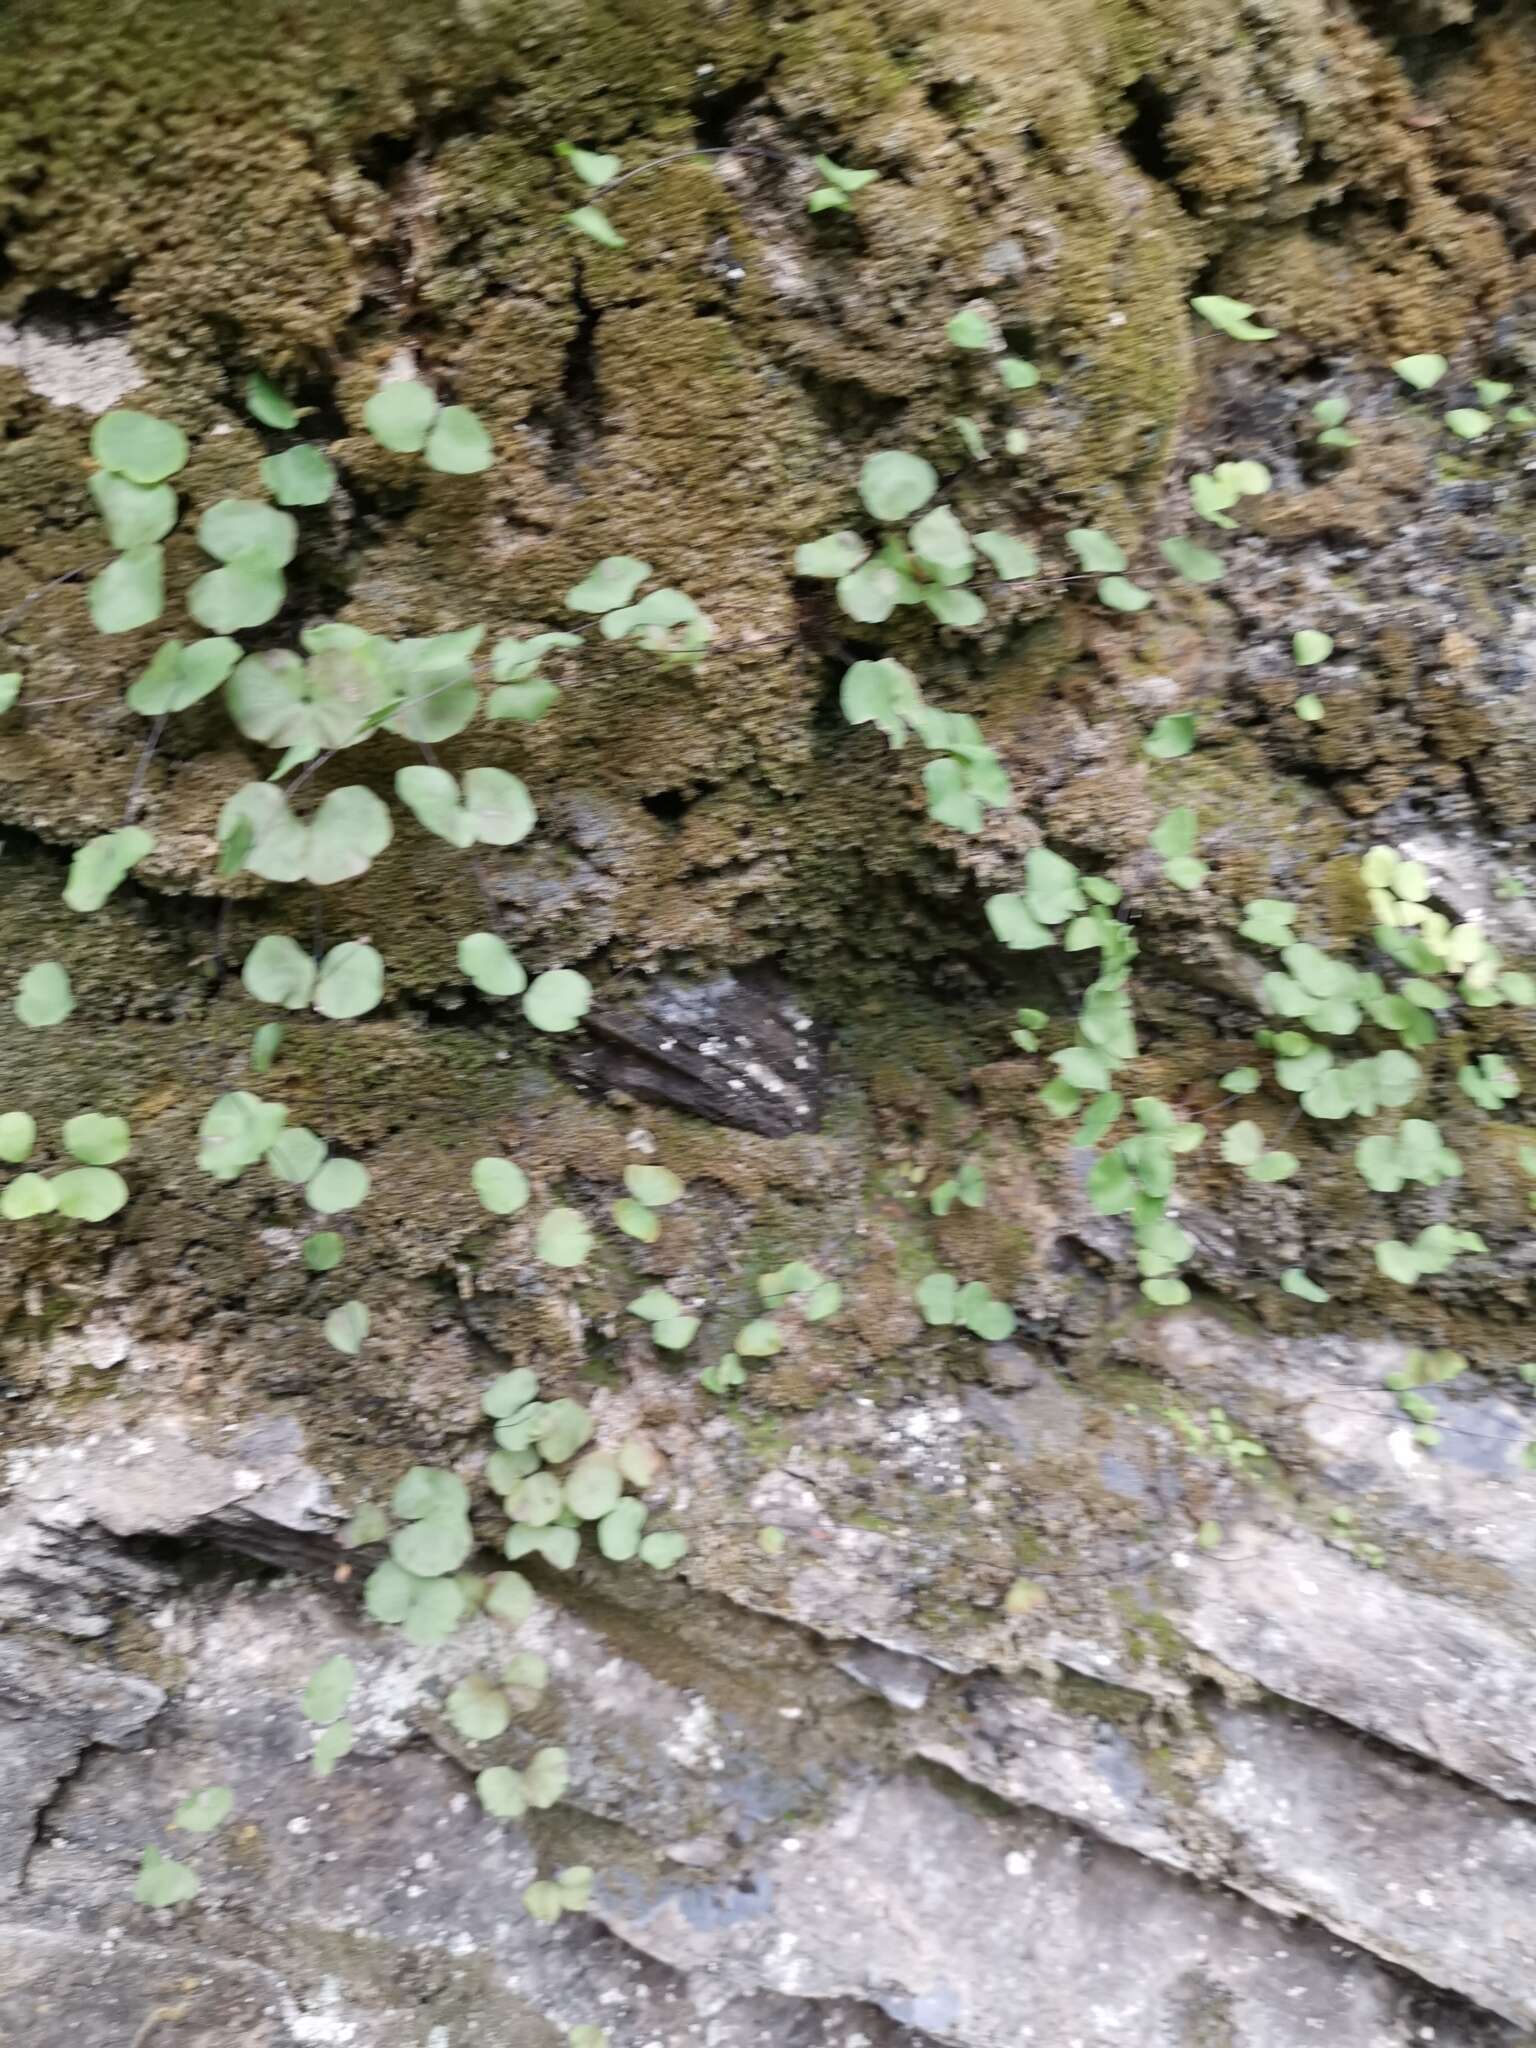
{"points": [[1142, 1678]]}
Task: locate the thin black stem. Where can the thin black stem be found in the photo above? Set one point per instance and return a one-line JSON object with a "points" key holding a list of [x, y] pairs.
{"points": [[146, 755]]}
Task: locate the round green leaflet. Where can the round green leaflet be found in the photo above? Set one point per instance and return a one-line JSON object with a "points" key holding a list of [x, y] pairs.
{"points": [[431, 795], [18, 1134], [501, 1186], [330, 1747], [236, 528], [563, 1429], [1422, 372], [546, 1777], [1097, 554], [278, 970], [536, 1500], [346, 1328], [526, 1673], [1468, 423], [592, 222], [618, 1533], [162, 1881], [1121, 595], [266, 403], [636, 1221], [498, 806], [45, 997], [349, 830], [426, 1490], [500, 1792], [369, 1524], [246, 592], [129, 592], [760, 1339], [509, 1598], [662, 1549], [26, 1196], [893, 485], [134, 514], [299, 476], [675, 1333], [1231, 316], [457, 443], [98, 867], [491, 965], [201, 1812], [1196, 563], [612, 583], [941, 543], [138, 446], [433, 1546], [350, 982], [1012, 559], [10, 689], [835, 554], [510, 1393], [399, 415], [1172, 737], [592, 166], [656, 1186], [296, 1154], [340, 1184], [557, 1000], [479, 1710], [323, 1250], [593, 1486], [90, 1194], [180, 676], [975, 328], [325, 1695], [872, 592], [1309, 647], [97, 1140]]}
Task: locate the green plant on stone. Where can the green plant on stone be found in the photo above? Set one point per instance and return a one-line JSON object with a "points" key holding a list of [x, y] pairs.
{"points": [[406, 417], [1214, 1436], [802, 1287], [324, 1701], [1175, 839], [1214, 493], [839, 184], [930, 565], [347, 982], [666, 622], [1422, 372], [1171, 738], [945, 1302], [1432, 1251], [672, 1326], [100, 867], [523, 691], [1232, 317], [967, 1184], [1330, 415], [1424, 1369], [648, 1188], [965, 779], [1489, 1080]]}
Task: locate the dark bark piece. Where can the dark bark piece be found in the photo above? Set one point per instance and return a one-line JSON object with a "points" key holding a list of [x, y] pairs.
{"points": [[738, 1051]]}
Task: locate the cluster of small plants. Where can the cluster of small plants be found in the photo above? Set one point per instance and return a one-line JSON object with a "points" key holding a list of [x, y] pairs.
{"points": [[1341, 1037]]}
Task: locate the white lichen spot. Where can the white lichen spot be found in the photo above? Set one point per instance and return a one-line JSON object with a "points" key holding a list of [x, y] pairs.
{"points": [[92, 374]]}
